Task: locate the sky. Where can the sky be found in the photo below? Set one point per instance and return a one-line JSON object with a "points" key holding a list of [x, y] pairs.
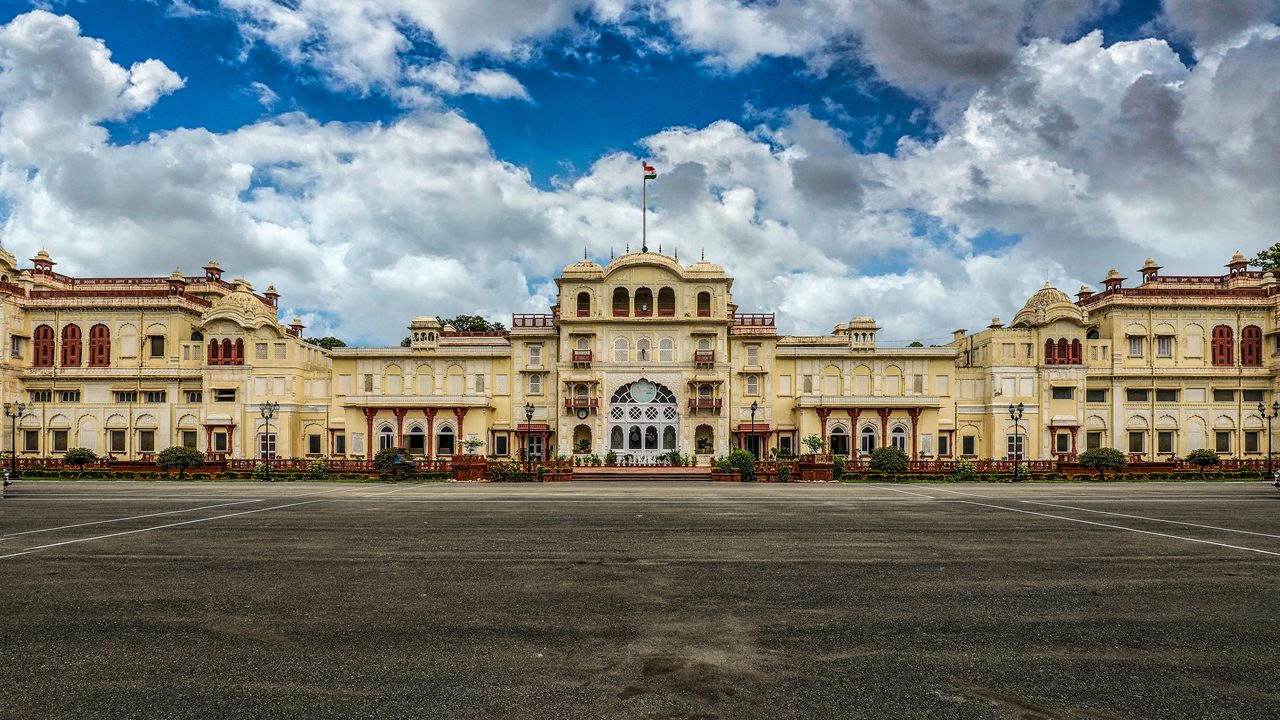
{"points": [[930, 163]]}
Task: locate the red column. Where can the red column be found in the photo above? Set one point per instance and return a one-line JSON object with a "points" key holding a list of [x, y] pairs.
{"points": [[400, 413], [823, 414], [854, 438], [1053, 442], [369, 414], [884, 414], [208, 438], [459, 413], [431, 425], [1073, 439], [915, 425]]}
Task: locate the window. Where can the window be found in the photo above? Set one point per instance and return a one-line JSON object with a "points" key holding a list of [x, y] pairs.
{"points": [[1166, 395], [154, 396], [1164, 346], [1062, 443], [753, 355], [1252, 443], [220, 441], [1224, 395], [621, 350], [535, 356], [867, 439], [839, 441], [1015, 444], [157, 346], [71, 346], [339, 444], [584, 304], [642, 350], [808, 384], [1136, 343], [1253, 396], [898, 438], [1251, 346], [784, 444], [944, 445], [1136, 395], [282, 351], [1222, 441], [260, 351], [15, 346], [368, 382], [500, 446], [60, 441], [43, 347], [1092, 440], [224, 395], [1221, 346], [753, 385], [968, 445], [146, 441], [666, 302], [479, 384], [40, 396], [917, 384], [1137, 442], [115, 441], [195, 396], [267, 445], [1008, 349], [69, 396], [99, 346], [666, 350], [704, 304], [188, 439], [126, 396], [1064, 393], [1095, 395], [621, 302], [644, 302], [31, 441], [1164, 442], [535, 384]]}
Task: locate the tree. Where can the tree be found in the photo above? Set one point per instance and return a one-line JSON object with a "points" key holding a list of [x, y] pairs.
{"points": [[327, 342], [179, 457], [916, 343], [80, 457], [1268, 259], [1102, 460], [384, 461], [406, 342], [1202, 458], [472, 323], [815, 443], [889, 460]]}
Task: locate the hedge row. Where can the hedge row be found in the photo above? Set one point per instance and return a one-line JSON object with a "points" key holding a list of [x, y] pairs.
{"points": [[1054, 477], [227, 476]]}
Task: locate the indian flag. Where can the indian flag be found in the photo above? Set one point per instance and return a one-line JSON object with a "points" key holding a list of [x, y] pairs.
{"points": [[650, 173]]}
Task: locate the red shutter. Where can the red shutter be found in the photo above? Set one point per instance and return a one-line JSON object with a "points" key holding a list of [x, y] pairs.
{"points": [[42, 347]]}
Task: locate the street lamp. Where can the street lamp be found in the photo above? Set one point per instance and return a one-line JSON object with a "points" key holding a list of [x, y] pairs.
{"points": [[1275, 411], [755, 406], [268, 410], [1015, 414], [14, 411], [528, 458]]}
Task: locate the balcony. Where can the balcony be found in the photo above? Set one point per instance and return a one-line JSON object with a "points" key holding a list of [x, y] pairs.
{"points": [[712, 404], [581, 403], [704, 358], [582, 358], [620, 311], [531, 320]]}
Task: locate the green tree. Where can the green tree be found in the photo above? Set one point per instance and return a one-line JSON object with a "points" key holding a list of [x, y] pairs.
{"points": [[889, 460], [80, 457], [1268, 259], [1102, 460], [472, 323], [179, 457], [1202, 459], [916, 343], [327, 342], [406, 342], [384, 461]]}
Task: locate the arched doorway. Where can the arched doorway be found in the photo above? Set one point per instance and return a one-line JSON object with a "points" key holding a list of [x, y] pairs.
{"points": [[644, 421]]}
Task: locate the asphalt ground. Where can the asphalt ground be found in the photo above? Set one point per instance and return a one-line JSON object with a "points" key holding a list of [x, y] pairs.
{"points": [[661, 600]]}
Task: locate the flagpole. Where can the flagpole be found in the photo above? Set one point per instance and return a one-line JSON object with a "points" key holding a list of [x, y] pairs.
{"points": [[644, 211]]}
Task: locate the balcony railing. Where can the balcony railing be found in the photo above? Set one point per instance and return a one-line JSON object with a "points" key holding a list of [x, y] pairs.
{"points": [[621, 312], [704, 357], [582, 358], [531, 320], [753, 319], [581, 403], [704, 312], [666, 312], [713, 404]]}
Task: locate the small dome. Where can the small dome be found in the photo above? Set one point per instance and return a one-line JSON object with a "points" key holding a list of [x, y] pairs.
{"points": [[1238, 257], [1048, 304], [177, 274], [702, 266], [1150, 264], [1085, 289], [1114, 274], [582, 267]]}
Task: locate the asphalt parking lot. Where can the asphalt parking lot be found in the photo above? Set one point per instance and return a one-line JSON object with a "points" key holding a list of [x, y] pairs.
{"points": [[167, 600]]}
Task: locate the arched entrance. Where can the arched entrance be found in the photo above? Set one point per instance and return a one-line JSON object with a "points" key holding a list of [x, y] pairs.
{"points": [[644, 420]]}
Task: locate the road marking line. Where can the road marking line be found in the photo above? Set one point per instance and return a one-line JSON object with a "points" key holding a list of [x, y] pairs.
{"points": [[30, 550], [1142, 517], [400, 489], [1118, 527], [957, 492], [134, 517], [906, 492]]}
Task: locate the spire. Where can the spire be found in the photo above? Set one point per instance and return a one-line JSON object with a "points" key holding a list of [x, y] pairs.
{"points": [[584, 252], [704, 253], [677, 253]]}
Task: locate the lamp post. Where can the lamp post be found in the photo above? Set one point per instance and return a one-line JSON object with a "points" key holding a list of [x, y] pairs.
{"points": [[14, 412], [1015, 414], [528, 458], [1275, 411], [755, 406], [268, 410]]}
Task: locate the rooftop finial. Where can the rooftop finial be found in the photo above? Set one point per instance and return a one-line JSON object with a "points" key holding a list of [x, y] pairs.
{"points": [[584, 252], [659, 248], [628, 247], [677, 253], [704, 253]]}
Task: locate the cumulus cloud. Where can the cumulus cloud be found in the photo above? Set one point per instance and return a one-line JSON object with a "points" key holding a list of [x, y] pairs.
{"points": [[1207, 24]]}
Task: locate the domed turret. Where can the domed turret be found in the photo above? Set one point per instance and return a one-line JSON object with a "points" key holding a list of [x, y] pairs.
{"points": [[583, 268], [1048, 304]]}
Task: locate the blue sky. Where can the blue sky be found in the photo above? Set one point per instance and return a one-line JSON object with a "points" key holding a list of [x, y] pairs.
{"points": [[380, 159]]}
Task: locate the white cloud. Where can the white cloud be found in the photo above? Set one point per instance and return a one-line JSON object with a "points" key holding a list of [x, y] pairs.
{"points": [[450, 79]]}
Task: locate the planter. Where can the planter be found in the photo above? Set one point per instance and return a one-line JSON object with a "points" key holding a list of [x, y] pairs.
{"points": [[815, 471], [725, 477], [469, 468]]}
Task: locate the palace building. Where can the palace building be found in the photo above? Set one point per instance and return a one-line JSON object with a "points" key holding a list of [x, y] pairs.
{"points": [[641, 357]]}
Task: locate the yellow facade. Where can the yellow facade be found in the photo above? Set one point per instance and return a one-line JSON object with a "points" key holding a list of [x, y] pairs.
{"points": [[639, 357]]}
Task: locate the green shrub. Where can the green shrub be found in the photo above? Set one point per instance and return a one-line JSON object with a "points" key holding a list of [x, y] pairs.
{"points": [[611, 458], [744, 463], [965, 471], [1102, 460], [837, 469], [889, 460], [384, 460], [182, 458], [784, 472]]}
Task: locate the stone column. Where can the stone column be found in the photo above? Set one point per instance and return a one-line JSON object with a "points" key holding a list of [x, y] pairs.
{"points": [[369, 414], [915, 435]]}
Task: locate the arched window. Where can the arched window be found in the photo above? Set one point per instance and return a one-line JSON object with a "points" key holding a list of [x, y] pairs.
{"points": [[644, 302], [215, 353], [584, 304], [669, 437], [1222, 338], [238, 358], [228, 357], [1064, 352], [1077, 352], [615, 438], [99, 346], [666, 302], [867, 439], [704, 391], [386, 438], [621, 302], [704, 304], [704, 344], [1092, 334], [1050, 352], [197, 336], [1251, 346], [71, 346], [642, 350], [416, 440], [444, 441], [753, 385], [666, 350], [839, 441], [898, 438], [620, 350], [703, 439], [42, 346]]}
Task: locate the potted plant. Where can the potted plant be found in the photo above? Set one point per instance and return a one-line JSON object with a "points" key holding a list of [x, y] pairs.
{"points": [[582, 447], [724, 471], [471, 444], [815, 444]]}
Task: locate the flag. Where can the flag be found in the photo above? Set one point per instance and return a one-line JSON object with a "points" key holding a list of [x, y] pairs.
{"points": [[650, 173]]}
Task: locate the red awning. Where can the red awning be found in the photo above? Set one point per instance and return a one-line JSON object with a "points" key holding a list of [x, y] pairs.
{"points": [[533, 428], [752, 428]]}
